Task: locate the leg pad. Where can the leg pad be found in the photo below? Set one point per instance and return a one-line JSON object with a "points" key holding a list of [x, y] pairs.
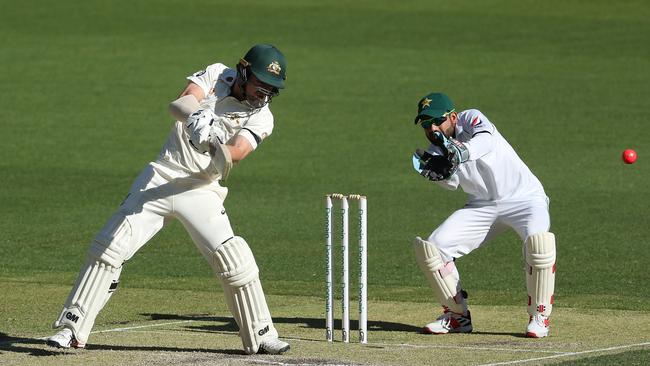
{"points": [[539, 251], [98, 278], [442, 277], [235, 267], [96, 283]]}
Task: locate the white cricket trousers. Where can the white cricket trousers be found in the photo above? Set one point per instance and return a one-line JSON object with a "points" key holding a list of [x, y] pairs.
{"points": [[478, 222], [154, 199]]}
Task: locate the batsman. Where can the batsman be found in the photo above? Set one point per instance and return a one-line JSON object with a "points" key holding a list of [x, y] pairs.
{"points": [[221, 117], [466, 150]]}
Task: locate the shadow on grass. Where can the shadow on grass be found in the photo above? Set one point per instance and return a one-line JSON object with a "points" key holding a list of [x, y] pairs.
{"points": [[24, 345], [228, 324], [36, 347], [104, 347], [314, 323]]}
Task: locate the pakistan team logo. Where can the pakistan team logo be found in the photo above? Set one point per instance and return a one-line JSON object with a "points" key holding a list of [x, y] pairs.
{"points": [[274, 68]]}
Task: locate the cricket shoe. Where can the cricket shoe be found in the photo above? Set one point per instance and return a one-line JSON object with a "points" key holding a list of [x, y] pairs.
{"points": [[450, 322], [273, 346], [537, 326], [64, 339]]}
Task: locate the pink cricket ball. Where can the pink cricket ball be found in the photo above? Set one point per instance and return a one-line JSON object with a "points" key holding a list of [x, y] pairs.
{"points": [[629, 156]]}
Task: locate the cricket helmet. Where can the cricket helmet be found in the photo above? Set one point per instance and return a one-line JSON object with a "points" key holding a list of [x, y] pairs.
{"points": [[267, 63]]}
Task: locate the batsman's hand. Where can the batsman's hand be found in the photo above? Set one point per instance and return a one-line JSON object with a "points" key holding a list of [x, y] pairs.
{"points": [[432, 167], [204, 127]]}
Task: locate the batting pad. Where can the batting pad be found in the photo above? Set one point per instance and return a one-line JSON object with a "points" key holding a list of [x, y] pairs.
{"points": [[96, 283], [440, 275], [236, 269], [539, 252], [98, 278]]}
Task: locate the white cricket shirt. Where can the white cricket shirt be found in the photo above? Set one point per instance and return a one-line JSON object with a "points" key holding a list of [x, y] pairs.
{"points": [[494, 172], [216, 80]]}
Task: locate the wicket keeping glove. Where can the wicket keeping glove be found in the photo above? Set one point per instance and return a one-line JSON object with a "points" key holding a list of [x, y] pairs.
{"points": [[432, 167], [455, 150]]}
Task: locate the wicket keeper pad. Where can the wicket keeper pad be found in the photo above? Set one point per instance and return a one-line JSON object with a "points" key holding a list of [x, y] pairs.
{"points": [[98, 278], [440, 276], [539, 251], [235, 267]]}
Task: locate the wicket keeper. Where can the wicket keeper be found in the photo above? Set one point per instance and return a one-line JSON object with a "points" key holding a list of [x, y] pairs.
{"points": [[466, 150]]}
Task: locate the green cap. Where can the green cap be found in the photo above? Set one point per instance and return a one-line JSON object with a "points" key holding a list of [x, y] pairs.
{"points": [[434, 105], [267, 63]]}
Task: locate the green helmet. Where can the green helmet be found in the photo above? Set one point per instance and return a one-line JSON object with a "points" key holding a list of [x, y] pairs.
{"points": [[267, 63]]}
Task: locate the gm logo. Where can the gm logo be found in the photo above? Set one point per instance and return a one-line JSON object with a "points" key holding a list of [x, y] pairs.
{"points": [[263, 331], [71, 316]]}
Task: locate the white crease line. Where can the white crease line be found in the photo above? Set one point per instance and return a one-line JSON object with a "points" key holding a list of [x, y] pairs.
{"points": [[125, 329], [406, 345], [569, 354], [140, 326], [297, 364]]}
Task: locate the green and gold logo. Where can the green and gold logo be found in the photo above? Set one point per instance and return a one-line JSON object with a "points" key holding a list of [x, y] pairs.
{"points": [[274, 68]]}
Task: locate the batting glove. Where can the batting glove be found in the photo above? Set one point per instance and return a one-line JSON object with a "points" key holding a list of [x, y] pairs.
{"points": [[203, 128]]}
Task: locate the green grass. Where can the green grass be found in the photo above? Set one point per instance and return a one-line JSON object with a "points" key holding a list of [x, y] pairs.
{"points": [[84, 89], [624, 358], [150, 326]]}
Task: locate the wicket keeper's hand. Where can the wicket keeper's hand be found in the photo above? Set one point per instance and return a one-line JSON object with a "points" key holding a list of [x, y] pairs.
{"points": [[434, 167], [455, 150]]}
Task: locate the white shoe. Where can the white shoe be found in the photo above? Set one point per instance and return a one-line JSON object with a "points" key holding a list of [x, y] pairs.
{"points": [[64, 339], [450, 322], [273, 346], [537, 326]]}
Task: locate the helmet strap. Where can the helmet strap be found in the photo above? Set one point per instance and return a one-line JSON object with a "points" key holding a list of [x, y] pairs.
{"points": [[242, 76]]}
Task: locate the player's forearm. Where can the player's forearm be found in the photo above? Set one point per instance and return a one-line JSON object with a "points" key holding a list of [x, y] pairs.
{"points": [[239, 148], [187, 102], [182, 107], [236, 153], [450, 183]]}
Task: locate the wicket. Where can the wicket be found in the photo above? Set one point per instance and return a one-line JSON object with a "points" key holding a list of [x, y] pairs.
{"points": [[363, 262]]}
